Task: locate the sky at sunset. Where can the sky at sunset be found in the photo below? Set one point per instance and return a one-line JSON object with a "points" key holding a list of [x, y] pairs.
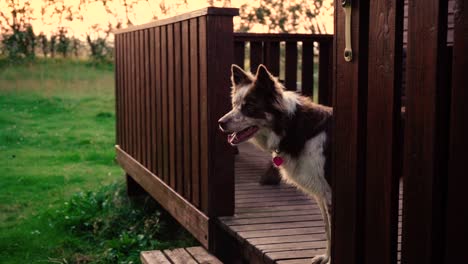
{"points": [[94, 14]]}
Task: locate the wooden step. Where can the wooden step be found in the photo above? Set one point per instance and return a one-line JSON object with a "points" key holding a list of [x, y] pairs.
{"points": [[191, 255]]}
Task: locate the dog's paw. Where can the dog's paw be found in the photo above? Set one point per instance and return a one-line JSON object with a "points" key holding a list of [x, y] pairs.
{"points": [[321, 259]]}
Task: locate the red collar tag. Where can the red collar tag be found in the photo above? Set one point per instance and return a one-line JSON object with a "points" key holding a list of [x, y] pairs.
{"points": [[278, 161]]}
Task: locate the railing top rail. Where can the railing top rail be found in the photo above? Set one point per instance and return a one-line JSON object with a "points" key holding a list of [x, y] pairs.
{"points": [[240, 36], [217, 11]]}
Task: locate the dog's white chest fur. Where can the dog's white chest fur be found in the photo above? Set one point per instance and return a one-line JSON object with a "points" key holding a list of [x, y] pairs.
{"points": [[307, 172]]}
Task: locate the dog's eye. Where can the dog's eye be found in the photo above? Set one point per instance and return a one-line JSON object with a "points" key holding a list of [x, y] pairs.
{"points": [[248, 109]]}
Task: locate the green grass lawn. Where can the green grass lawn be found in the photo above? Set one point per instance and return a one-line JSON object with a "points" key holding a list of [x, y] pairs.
{"points": [[57, 203]]}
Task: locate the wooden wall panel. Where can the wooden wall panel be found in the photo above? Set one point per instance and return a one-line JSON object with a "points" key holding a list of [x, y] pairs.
{"points": [[133, 102], [165, 107], [256, 55], [204, 91], [239, 53], [142, 95], [291, 66], [153, 104], [425, 143], [186, 88], [307, 79], [138, 96], [171, 104], [194, 105], [457, 207], [179, 109], [158, 87], [383, 129], [348, 160], [325, 73], [272, 57]]}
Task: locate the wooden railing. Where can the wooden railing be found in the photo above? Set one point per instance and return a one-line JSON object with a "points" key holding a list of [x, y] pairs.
{"points": [[171, 88], [172, 85], [301, 53]]}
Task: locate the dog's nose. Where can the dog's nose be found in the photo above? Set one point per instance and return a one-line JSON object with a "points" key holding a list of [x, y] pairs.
{"points": [[222, 125]]}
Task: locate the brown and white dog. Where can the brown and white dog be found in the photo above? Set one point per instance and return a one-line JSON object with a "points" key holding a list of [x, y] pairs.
{"points": [[290, 127]]}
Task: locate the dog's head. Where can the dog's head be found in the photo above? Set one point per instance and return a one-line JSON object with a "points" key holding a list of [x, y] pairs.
{"points": [[256, 102]]}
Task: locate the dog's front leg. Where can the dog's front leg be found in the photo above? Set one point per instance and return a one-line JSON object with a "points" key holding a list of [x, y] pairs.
{"points": [[325, 209]]}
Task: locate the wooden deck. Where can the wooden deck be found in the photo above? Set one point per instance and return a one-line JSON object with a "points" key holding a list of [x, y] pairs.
{"points": [[273, 224]]}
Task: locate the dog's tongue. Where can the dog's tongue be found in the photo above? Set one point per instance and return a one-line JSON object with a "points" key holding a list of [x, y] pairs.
{"points": [[241, 136]]}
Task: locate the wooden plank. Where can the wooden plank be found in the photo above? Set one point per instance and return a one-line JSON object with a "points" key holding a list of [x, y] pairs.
{"points": [[202, 256], [142, 94], [164, 103], [117, 89], [179, 109], [159, 123], [295, 37], [280, 213], [425, 143], [287, 239], [186, 109], [295, 261], [128, 94], [124, 90], [348, 167], [273, 199], [282, 232], [220, 192], [133, 102], [279, 203], [325, 73], [307, 79], [171, 105], [152, 257], [383, 125], [457, 211], [182, 17], [291, 66], [194, 112], [138, 98], [266, 220], [267, 208], [147, 125], [182, 210], [256, 55], [272, 57], [292, 246], [275, 226], [179, 256], [153, 99], [239, 53], [294, 254], [205, 119]]}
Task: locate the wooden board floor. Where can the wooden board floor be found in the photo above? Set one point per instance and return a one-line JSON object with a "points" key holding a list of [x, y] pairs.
{"points": [[278, 224]]}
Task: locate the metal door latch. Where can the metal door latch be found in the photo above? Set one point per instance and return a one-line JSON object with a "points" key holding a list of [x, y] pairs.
{"points": [[348, 52]]}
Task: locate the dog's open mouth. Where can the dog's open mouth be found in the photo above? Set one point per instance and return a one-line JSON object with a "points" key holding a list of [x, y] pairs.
{"points": [[243, 135]]}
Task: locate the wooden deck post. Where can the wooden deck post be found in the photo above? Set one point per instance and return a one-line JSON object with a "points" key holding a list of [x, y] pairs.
{"points": [[426, 133], [366, 132], [457, 207]]}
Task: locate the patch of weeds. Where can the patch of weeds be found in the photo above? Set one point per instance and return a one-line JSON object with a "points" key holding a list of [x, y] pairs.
{"points": [[117, 227]]}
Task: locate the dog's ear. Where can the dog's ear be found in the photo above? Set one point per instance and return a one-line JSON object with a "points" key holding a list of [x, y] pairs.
{"points": [[264, 79], [239, 76]]}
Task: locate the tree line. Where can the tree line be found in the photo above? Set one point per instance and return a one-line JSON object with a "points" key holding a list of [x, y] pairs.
{"points": [[19, 40]]}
